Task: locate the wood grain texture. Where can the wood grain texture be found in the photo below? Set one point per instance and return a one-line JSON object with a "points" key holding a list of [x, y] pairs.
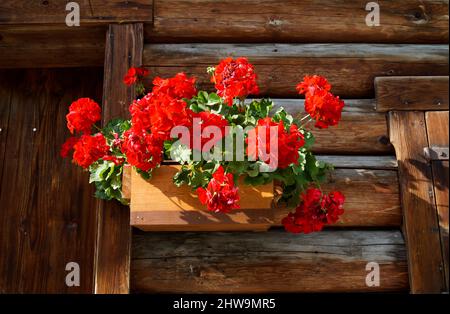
{"points": [[43, 46], [6, 91], [411, 93], [350, 68], [91, 11], [405, 21], [47, 216], [364, 162], [419, 214], [159, 205], [275, 261], [371, 198], [360, 122], [437, 131], [123, 50]]}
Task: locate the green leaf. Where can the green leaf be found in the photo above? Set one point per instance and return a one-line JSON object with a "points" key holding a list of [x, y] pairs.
{"points": [[116, 182], [97, 171], [213, 99]]}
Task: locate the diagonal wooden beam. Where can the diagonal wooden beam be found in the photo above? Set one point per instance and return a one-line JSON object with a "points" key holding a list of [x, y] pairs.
{"points": [[420, 224], [124, 44]]}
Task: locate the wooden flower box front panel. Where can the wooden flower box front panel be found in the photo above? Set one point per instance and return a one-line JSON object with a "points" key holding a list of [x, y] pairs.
{"points": [[159, 205]]}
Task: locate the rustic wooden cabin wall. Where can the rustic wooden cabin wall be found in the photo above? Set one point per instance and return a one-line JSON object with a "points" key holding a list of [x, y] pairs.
{"points": [[60, 223]]}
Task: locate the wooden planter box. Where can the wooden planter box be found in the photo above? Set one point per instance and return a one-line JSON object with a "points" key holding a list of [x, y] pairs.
{"points": [[159, 205]]}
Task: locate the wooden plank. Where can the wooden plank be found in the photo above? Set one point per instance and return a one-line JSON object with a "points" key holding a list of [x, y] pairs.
{"points": [[123, 50], [405, 21], [44, 46], [419, 215], [441, 182], [275, 261], [6, 90], [411, 93], [372, 198], [360, 122], [47, 216], [350, 68], [437, 130], [91, 11], [366, 162]]}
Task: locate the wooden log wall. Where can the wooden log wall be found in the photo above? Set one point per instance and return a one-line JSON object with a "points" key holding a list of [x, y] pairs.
{"points": [[285, 42], [179, 40]]}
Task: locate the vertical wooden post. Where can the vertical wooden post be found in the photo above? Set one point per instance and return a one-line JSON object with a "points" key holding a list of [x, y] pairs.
{"points": [[124, 45], [409, 136], [437, 131]]}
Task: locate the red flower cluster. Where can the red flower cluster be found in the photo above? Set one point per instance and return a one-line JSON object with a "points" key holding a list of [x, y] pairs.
{"points": [[289, 142], [315, 211], [143, 150], [234, 78], [206, 121], [134, 75], [153, 118], [178, 87], [320, 103], [89, 148], [83, 113], [220, 195]]}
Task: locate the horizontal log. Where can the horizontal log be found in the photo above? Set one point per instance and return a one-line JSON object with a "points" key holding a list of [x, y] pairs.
{"points": [[366, 128], [275, 261], [405, 21], [43, 46], [371, 198], [366, 162], [350, 68], [411, 93], [91, 11]]}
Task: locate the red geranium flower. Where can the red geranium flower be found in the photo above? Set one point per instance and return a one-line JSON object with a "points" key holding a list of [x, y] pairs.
{"points": [[220, 195], [235, 78], [289, 142], [206, 120], [320, 104], [164, 108], [116, 160], [68, 146], [143, 150], [140, 113], [325, 108], [312, 84], [83, 113], [315, 211], [89, 149], [180, 86], [135, 74]]}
